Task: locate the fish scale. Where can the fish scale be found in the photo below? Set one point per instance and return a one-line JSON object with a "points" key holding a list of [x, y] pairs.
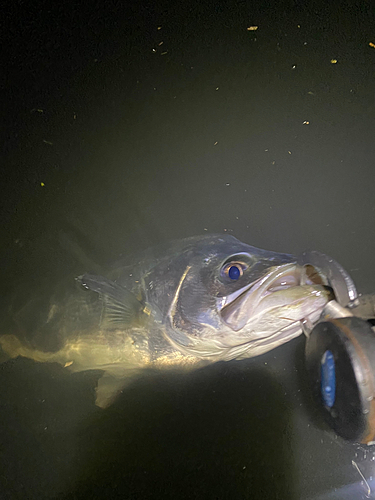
{"points": [[183, 304]]}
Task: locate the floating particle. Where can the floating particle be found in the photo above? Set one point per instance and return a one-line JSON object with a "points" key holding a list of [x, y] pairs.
{"points": [[215, 143], [306, 123], [48, 142], [42, 184], [372, 45], [333, 61], [252, 28], [68, 363]]}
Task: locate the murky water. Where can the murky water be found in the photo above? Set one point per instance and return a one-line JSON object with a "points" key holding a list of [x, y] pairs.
{"points": [[129, 126]]}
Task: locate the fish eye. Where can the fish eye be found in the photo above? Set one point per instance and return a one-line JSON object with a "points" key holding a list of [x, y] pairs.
{"points": [[233, 270]]}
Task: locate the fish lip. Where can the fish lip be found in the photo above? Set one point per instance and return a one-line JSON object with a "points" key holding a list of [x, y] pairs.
{"points": [[281, 278], [263, 284]]}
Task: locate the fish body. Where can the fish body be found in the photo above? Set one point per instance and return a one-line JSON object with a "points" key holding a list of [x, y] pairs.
{"points": [[185, 304]]}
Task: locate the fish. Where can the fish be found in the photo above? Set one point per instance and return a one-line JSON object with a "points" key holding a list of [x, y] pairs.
{"points": [[182, 305]]}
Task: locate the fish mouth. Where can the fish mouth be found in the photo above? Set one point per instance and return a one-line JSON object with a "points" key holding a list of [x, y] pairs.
{"points": [[236, 308]]}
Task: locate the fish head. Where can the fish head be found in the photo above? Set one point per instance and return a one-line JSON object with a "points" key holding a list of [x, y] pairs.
{"points": [[233, 300]]}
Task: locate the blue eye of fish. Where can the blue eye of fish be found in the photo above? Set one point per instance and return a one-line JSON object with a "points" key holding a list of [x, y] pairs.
{"points": [[234, 273], [233, 270]]}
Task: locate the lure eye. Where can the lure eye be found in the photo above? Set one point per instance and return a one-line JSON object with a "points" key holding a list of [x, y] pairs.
{"points": [[233, 270]]}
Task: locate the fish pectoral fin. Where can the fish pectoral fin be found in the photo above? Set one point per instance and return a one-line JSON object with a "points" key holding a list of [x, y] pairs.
{"points": [[121, 309]]}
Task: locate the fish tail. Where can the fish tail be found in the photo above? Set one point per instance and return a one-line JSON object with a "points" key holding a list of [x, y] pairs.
{"points": [[13, 347]]}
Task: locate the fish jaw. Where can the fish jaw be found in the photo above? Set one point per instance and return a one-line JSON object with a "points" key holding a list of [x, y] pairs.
{"points": [[262, 316], [272, 310], [274, 287], [266, 330], [278, 320]]}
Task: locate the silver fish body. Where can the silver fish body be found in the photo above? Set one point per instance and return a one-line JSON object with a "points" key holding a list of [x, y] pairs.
{"points": [[191, 302]]}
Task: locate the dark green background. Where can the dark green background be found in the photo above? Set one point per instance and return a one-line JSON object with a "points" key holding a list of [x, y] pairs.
{"points": [[136, 147]]}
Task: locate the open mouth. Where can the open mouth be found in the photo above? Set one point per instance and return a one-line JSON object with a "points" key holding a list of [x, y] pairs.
{"points": [[280, 279]]}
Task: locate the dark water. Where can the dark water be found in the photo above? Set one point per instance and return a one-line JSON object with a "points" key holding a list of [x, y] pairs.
{"points": [[118, 135]]}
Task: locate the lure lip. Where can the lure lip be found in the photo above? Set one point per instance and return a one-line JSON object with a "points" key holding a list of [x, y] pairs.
{"points": [[338, 279]]}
